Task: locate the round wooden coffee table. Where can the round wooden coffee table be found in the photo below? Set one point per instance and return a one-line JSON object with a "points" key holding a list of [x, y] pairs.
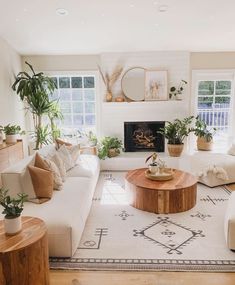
{"points": [[162, 197], [24, 257]]}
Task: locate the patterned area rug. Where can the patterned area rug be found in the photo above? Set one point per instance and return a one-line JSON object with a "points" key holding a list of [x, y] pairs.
{"points": [[120, 237]]}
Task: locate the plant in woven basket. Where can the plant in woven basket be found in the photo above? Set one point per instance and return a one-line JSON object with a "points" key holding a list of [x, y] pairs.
{"points": [[201, 130], [109, 147]]}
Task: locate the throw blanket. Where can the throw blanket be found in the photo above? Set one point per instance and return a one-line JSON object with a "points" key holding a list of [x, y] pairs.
{"points": [[218, 171]]}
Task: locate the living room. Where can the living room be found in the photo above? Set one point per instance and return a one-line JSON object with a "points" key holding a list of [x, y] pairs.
{"points": [[126, 110]]}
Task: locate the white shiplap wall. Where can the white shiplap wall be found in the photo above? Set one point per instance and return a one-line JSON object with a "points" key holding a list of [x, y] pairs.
{"points": [[113, 115]]}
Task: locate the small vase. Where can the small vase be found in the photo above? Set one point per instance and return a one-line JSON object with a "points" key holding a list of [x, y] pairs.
{"points": [[109, 96], [153, 169], [12, 225]]}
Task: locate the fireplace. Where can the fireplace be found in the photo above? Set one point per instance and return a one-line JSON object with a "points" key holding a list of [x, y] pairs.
{"points": [[143, 136]]}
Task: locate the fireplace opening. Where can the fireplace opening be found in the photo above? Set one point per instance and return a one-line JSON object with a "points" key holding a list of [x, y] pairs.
{"points": [[143, 136]]}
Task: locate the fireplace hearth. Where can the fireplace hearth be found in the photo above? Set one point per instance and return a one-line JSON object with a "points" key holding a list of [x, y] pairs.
{"points": [[143, 136]]}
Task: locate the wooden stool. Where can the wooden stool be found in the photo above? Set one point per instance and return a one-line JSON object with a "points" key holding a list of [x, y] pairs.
{"points": [[24, 257]]}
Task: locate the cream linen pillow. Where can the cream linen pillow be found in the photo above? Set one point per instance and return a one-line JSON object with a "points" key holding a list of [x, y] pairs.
{"points": [[64, 154], [60, 164], [51, 166], [74, 152]]}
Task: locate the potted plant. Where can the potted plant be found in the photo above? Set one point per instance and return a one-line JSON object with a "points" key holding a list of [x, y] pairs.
{"points": [[153, 166], [175, 132], [35, 90], [204, 135], [11, 132], [176, 92], [92, 139], [109, 147], [13, 208]]}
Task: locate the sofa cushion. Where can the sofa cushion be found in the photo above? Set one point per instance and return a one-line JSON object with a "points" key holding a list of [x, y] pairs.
{"points": [[86, 166], [66, 157]]}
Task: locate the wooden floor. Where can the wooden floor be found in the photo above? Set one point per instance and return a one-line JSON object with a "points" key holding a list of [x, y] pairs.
{"points": [[140, 278]]}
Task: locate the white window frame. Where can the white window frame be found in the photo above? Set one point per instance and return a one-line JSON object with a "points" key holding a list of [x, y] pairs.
{"points": [[199, 75], [83, 73]]}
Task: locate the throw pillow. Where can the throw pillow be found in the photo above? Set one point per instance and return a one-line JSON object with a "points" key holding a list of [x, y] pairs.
{"points": [[60, 142], [66, 157], [74, 152], [42, 182], [51, 166], [26, 181], [60, 164], [39, 162], [231, 150]]}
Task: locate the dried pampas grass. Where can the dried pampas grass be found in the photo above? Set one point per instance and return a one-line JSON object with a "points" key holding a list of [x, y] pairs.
{"points": [[110, 80]]}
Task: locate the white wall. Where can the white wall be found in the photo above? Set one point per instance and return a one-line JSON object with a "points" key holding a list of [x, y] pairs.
{"points": [[113, 115], [11, 108]]}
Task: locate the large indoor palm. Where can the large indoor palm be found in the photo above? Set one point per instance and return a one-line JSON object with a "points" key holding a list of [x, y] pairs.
{"points": [[35, 90]]}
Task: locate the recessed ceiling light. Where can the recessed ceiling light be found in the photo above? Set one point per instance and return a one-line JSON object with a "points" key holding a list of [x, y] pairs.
{"points": [[62, 12], [132, 5], [162, 8]]}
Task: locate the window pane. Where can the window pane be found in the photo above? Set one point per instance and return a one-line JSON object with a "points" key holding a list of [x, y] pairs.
{"points": [[65, 107], [77, 107], [205, 102], [222, 100], [89, 107], [55, 81], [64, 82], [89, 82], [89, 95], [206, 88], [90, 119], [65, 94], [67, 120], [223, 87], [78, 120], [76, 82], [76, 94]]}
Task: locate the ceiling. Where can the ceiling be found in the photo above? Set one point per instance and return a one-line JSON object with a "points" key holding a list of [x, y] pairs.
{"points": [[97, 26]]}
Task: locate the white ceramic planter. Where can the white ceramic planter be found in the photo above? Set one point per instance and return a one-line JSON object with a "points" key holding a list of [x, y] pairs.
{"points": [[11, 138], [12, 226], [153, 169]]}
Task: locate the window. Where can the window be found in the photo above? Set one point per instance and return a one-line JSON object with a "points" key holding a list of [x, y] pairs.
{"points": [[77, 99], [214, 93]]}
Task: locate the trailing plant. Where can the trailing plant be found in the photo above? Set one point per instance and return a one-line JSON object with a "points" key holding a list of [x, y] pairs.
{"points": [[174, 91], [12, 130], [12, 207], [201, 130], [175, 132], [35, 89], [108, 143]]}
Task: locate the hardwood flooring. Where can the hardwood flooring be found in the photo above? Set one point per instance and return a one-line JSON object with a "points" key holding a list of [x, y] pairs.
{"points": [[139, 278]]}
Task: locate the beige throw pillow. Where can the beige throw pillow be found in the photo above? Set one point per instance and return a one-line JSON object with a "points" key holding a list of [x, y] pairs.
{"points": [[74, 152], [60, 142], [60, 164], [42, 182], [64, 154], [51, 166]]}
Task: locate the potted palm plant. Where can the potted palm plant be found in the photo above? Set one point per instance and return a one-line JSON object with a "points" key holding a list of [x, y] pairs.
{"points": [[35, 90], [204, 135], [11, 132], [109, 147], [175, 132], [12, 209]]}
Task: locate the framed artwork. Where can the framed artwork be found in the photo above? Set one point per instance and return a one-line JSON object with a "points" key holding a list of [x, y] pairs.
{"points": [[156, 85]]}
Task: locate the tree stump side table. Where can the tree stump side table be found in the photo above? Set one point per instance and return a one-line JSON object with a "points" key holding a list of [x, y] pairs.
{"points": [[24, 258]]}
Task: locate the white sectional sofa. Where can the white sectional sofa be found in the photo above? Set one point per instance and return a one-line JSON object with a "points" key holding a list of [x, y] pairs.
{"points": [[66, 213]]}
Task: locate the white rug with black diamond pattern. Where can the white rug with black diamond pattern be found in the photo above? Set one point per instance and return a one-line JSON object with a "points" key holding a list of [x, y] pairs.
{"points": [[120, 237]]}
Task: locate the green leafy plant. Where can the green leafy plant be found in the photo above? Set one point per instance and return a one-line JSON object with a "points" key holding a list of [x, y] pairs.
{"points": [[175, 132], [154, 159], [12, 130], [35, 90], [108, 143], [92, 138], [174, 91], [55, 114], [43, 135], [12, 207], [201, 130]]}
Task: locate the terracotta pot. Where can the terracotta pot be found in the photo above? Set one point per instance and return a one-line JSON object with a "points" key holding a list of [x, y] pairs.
{"points": [[11, 139], [175, 149], [113, 152], [203, 144], [109, 96], [12, 225]]}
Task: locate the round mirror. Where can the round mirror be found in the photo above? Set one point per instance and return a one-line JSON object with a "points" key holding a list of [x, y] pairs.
{"points": [[133, 83]]}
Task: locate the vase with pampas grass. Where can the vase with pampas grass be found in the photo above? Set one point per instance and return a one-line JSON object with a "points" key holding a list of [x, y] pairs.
{"points": [[109, 81]]}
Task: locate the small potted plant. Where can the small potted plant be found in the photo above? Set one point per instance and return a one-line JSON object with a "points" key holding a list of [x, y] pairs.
{"points": [[92, 139], [153, 166], [176, 92], [204, 135], [13, 208], [175, 132], [12, 132], [109, 147]]}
